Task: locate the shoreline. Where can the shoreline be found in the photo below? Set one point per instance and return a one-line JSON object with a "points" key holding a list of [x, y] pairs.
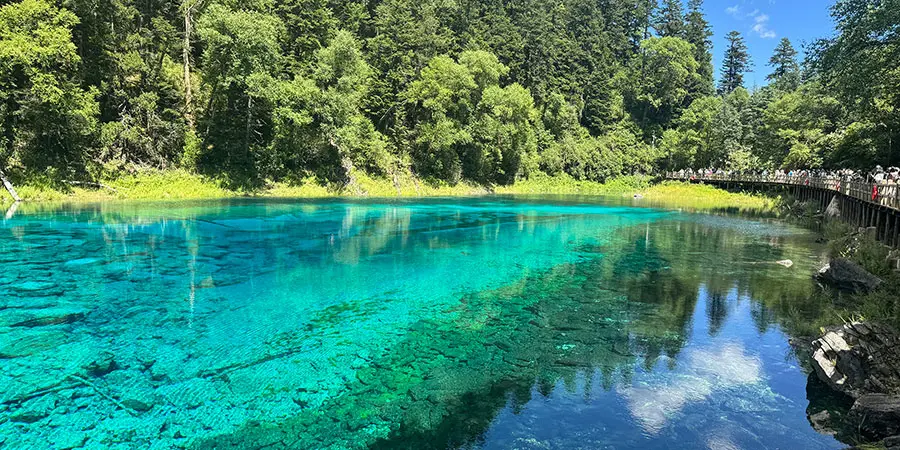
{"points": [[178, 185]]}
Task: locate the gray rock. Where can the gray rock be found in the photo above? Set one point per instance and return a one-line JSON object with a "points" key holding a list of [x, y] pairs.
{"points": [[892, 443], [858, 359], [862, 360], [833, 210], [821, 422], [878, 415], [848, 276]]}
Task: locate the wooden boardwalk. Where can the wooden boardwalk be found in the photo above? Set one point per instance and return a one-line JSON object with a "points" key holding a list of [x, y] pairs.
{"points": [[862, 204]]}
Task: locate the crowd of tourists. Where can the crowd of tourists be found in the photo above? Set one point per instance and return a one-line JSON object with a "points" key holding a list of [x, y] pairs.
{"points": [[878, 185]]}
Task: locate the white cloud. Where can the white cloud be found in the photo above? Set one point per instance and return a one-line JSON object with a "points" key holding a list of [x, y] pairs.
{"points": [[653, 402], [760, 20], [761, 27]]}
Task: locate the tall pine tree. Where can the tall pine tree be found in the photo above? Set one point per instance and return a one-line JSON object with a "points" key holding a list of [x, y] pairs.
{"points": [[670, 19], [698, 33], [735, 64], [785, 68]]}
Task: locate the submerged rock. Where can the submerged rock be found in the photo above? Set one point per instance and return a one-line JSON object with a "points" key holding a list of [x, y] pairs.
{"points": [[892, 443], [33, 410], [137, 404], [846, 275], [50, 320], [862, 361], [103, 364], [821, 422], [878, 415]]}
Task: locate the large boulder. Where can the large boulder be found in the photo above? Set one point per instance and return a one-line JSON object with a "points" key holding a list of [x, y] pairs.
{"points": [[892, 443], [848, 276], [878, 415], [859, 358], [862, 361]]}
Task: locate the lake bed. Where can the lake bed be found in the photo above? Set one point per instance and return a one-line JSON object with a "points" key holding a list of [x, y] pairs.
{"points": [[490, 322]]}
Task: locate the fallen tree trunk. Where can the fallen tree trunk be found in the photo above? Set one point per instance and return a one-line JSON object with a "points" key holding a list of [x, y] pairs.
{"points": [[9, 187]]}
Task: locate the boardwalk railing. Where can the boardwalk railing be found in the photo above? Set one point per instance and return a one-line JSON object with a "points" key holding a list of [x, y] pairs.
{"points": [[884, 194]]}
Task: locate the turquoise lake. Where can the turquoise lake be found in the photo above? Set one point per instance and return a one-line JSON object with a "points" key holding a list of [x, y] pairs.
{"points": [[484, 323]]}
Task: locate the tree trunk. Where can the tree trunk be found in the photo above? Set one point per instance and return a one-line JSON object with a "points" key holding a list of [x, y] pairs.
{"points": [[9, 187], [249, 118], [186, 56]]}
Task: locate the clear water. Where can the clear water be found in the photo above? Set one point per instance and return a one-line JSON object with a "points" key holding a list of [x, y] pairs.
{"points": [[496, 323]]}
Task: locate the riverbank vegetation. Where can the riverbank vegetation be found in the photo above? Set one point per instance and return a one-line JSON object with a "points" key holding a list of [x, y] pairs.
{"points": [[862, 248], [472, 93], [182, 185]]}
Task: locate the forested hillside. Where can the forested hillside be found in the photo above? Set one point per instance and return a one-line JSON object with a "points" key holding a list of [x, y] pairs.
{"points": [[487, 91]]}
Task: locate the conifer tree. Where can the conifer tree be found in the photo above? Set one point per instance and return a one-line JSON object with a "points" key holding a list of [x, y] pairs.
{"points": [[698, 33], [785, 68], [670, 19], [735, 65]]}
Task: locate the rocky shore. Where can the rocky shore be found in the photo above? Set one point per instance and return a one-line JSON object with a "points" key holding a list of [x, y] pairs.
{"points": [[862, 361]]}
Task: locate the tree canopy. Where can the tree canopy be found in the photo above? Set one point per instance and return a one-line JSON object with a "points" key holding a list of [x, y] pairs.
{"points": [[480, 90]]}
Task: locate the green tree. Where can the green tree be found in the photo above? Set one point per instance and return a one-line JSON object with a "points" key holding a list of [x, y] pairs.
{"points": [[659, 81], [735, 64], [732, 141], [467, 125], [594, 67], [240, 46], [309, 24], [670, 20], [785, 68], [319, 122], [799, 128], [690, 144], [47, 119], [698, 33], [407, 35], [505, 135], [343, 77], [441, 102], [860, 65]]}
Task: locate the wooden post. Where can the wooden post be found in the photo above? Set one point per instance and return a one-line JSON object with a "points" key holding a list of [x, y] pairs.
{"points": [[9, 187], [877, 224], [896, 230], [888, 219], [859, 213]]}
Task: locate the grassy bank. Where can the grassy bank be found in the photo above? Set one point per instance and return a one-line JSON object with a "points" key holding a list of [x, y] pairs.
{"points": [[862, 248], [705, 197], [182, 185]]}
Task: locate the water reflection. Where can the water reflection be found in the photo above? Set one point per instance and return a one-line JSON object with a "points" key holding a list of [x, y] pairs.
{"points": [[703, 372], [439, 324]]}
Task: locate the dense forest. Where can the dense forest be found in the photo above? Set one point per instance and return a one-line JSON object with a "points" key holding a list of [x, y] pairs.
{"points": [[486, 91]]}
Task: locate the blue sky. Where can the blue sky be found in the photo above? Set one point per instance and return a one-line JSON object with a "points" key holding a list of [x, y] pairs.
{"points": [[763, 23]]}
